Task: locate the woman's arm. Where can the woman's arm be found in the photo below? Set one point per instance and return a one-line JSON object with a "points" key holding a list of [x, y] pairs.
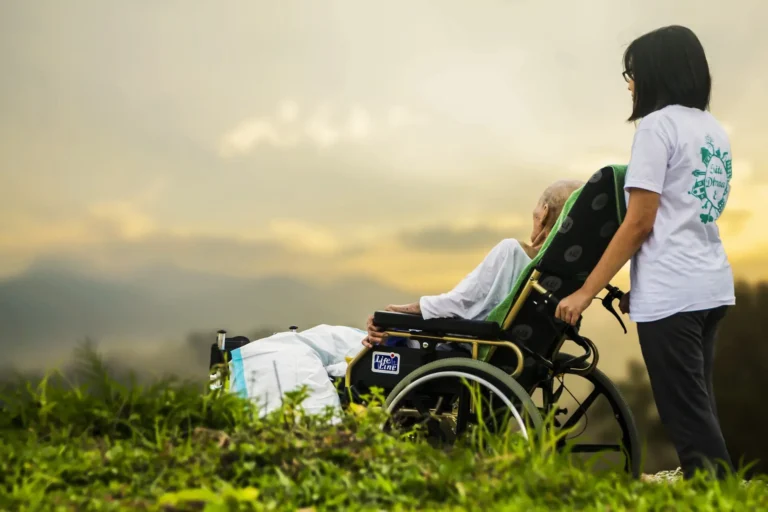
{"points": [[634, 230]]}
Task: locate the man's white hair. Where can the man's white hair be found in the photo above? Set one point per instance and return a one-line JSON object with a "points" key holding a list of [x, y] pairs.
{"points": [[556, 195]]}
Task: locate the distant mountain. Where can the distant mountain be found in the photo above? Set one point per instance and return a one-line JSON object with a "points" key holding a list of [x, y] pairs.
{"points": [[54, 305]]}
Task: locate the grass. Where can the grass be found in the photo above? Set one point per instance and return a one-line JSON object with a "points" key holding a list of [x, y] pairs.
{"points": [[99, 445]]}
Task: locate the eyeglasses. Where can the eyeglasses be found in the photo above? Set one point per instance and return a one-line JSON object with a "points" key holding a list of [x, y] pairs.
{"points": [[628, 75]]}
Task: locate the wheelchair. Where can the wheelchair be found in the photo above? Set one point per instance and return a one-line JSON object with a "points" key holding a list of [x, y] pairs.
{"points": [[448, 375]]}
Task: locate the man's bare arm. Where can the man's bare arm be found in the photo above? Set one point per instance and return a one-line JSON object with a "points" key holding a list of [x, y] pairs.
{"points": [[411, 309]]}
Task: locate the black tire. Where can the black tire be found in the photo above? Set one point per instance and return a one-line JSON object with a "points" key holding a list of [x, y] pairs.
{"points": [[477, 371], [621, 412]]}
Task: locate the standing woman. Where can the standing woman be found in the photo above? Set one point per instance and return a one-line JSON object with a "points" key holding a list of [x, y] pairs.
{"points": [[677, 185]]}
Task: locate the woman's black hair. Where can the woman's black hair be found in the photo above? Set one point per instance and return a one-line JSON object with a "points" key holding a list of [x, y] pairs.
{"points": [[669, 67]]}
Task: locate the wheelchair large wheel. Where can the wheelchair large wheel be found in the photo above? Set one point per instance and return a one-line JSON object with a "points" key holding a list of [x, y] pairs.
{"points": [[616, 431], [449, 395]]}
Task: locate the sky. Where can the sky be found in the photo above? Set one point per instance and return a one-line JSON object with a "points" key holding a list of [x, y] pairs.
{"points": [[322, 140]]}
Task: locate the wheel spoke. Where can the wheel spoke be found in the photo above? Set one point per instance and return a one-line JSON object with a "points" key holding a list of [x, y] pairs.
{"points": [[439, 406], [579, 413], [437, 423], [462, 413], [603, 441], [494, 387]]}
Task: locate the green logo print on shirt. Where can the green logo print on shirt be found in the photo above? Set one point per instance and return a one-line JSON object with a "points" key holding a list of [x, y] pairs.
{"points": [[712, 185]]}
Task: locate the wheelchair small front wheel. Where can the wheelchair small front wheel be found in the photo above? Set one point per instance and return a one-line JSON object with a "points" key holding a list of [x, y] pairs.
{"points": [[448, 395]]}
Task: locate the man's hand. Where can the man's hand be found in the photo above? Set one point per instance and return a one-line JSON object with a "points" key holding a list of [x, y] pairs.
{"points": [[570, 308], [375, 334], [624, 303]]}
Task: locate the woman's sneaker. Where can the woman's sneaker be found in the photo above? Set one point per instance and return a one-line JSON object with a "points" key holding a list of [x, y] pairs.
{"points": [[663, 476]]}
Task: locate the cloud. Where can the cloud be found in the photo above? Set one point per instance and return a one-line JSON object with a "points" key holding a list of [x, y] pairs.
{"points": [[426, 259], [320, 129], [124, 217], [741, 229], [288, 111], [458, 239], [401, 117], [733, 221], [205, 253], [119, 235], [584, 165], [253, 132], [323, 129], [301, 236], [751, 266], [98, 221], [116, 238], [359, 124]]}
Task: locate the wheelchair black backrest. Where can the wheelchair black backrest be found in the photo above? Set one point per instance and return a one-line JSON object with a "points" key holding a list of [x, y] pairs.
{"points": [[586, 225]]}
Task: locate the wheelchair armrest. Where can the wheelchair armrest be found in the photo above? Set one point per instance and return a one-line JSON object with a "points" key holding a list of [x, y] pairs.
{"points": [[404, 321]]}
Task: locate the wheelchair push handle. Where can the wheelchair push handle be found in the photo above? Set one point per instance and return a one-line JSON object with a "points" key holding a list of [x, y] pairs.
{"points": [[613, 294], [572, 331]]}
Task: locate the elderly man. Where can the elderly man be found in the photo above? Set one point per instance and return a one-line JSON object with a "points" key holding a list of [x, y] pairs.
{"points": [[266, 369], [490, 282]]}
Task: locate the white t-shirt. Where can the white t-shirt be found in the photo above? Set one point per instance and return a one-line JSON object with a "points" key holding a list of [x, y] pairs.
{"points": [[482, 289], [685, 155]]}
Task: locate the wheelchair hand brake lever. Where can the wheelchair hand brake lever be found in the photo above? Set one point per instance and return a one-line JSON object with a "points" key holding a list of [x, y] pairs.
{"points": [[613, 293]]}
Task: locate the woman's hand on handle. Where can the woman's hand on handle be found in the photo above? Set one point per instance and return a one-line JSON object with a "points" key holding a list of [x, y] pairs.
{"points": [[570, 308]]}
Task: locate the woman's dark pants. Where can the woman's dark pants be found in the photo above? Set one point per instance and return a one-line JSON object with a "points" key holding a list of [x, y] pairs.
{"points": [[679, 351]]}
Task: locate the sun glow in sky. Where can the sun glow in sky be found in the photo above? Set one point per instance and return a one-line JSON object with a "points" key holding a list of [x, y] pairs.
{"points": [[398, 140]]}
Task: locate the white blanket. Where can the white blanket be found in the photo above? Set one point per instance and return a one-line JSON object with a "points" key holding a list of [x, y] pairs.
{"points": [[267, 368]]}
